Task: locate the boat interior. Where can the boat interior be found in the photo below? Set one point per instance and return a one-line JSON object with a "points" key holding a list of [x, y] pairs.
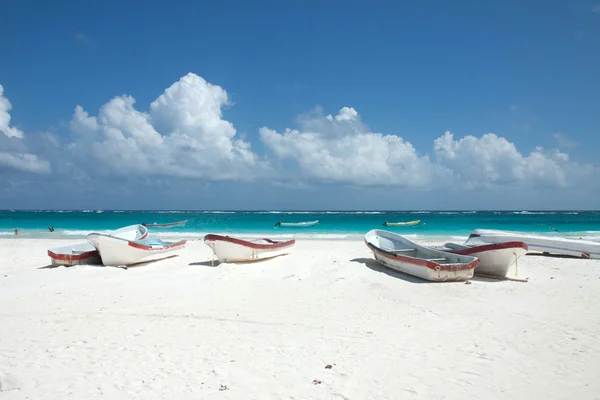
{"points": [[403, 249]]}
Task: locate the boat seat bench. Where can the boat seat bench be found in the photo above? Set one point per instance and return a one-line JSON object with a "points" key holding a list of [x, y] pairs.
{"points": [[402, 250], [436, 259]]}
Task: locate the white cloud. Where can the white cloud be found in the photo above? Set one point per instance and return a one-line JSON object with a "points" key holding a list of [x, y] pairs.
{"points": [[5, 127], [341, 149], [24, 162], [494, 160], [183, 135], [563, 141], [13, 150]]}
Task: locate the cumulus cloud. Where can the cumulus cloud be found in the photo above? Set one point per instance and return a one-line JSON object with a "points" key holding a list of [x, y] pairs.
{"points": [[342, 149], [24, 162], [5, 108], [13, 150], [491, 159], [183, 134]]}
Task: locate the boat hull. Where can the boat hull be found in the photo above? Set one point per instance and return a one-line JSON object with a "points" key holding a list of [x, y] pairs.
{"points": [[229, 249], [84, 253], [115, 251], [538, 243], [394, 251], [77, 254], [494, 259]]}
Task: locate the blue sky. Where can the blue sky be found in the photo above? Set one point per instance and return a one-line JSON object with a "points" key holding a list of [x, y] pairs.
{"points": [[525, 71]]}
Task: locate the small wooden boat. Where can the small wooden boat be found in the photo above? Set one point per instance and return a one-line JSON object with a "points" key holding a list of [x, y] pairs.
{"points": [[85, 253], [397, 252], [494, 259], [296, 224], [229, 249], [408, 223], [166, 225], [117, 251], [545, 244]]}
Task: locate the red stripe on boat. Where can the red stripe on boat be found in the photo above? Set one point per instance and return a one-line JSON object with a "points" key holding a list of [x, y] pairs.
{"points": [[424, 263], [272, 244], [72, 257], [585, 255]]}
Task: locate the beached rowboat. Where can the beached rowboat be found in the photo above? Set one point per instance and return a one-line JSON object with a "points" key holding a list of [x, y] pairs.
{"points": [[85, 253], [407, 223], [396, 252], [538, 243], [296, 224], [116, 251], [229, 249], [494, 259]]}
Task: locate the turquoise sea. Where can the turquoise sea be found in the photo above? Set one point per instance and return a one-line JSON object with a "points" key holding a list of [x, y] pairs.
{"points": [[332, 224]]}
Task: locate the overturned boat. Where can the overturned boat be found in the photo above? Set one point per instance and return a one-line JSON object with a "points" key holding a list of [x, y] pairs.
{"points": [[538, 243], [85, 253], [230, 249], [398, 253], [116, 251]]}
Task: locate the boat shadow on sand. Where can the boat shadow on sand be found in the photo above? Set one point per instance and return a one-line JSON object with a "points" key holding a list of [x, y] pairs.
{"points": [[377, 266], [215, 263], [142, 264]]}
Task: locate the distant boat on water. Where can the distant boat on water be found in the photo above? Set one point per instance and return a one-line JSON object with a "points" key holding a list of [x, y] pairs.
{"points": [[408, 223], [296, 224], [166, 225]]}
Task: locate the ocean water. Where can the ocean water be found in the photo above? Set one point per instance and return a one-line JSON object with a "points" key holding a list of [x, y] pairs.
{"points": [[434, 225]]}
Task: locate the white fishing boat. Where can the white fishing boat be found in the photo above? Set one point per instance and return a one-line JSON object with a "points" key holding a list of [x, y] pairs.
{"points": [[230, 249], [296, 224], [117, 251], [549, 244], [494, 259], [167, 224], [405, 223], [396, 252], [84, 253]]}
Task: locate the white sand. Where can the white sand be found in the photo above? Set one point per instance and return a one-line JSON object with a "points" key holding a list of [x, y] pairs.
{"points": [[180, 328]]}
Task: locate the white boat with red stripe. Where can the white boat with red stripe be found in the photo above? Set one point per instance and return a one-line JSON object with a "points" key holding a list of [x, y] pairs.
{"points": [[117, 251], [398, 253], [84, 253], [230, 249], [494, 259], [546, 244]]}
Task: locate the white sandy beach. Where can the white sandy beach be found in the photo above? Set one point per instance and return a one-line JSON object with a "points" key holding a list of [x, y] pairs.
{"points": [[183, 329]]}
